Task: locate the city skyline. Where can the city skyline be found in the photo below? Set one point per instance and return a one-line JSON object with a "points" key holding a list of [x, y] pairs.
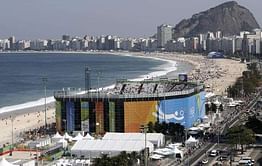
{"points": [[50, 19]]}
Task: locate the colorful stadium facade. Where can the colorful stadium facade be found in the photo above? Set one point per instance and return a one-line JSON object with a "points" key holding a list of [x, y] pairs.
{"points": [[130, 105]]}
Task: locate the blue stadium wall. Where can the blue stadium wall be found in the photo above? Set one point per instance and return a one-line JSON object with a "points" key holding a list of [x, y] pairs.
{"points": [[127, 115], [185, 111]]}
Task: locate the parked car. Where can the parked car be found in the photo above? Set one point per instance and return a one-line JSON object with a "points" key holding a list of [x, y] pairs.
{"points": [[222, 158]]}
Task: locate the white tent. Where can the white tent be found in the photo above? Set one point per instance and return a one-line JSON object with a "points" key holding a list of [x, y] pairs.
{"points": [[178, 153], [88, 137], [63, 142], [209, 95], [68, 137], [194, 130], [78, 137], [191, 141], [4, 162], [156, 157], [94, 148], [164, 151], [175, 145], [57, 137]]}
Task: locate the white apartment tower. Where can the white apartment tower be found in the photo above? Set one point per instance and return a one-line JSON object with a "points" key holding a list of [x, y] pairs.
{"points": [[164, 34]]}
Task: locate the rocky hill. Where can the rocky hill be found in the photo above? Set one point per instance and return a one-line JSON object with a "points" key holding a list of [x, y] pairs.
{"points": [[229, 17]]}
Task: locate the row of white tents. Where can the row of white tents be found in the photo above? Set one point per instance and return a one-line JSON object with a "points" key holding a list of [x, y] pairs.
{"points": [[114, 143], [66, 136], [173, 150]]}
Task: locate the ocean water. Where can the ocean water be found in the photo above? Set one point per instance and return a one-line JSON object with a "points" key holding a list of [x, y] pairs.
{"points": [[21, 73]]}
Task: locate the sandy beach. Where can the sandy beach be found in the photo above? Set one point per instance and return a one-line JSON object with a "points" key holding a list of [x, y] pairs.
{"points": [[216, 73], [24, 120]]}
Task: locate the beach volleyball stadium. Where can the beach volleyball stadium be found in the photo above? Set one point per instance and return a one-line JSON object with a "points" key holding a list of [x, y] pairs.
{"points": [[129, 105]]}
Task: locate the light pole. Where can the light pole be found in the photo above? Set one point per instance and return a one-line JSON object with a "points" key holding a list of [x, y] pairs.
{"points": [[98, 128], [44, 79], [64, 120], [186, 135], [12, 121], [98, 81], [144, 129]]}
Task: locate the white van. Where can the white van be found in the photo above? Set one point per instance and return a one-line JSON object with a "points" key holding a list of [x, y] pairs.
{"points": [[245, 162], [248, 159]]}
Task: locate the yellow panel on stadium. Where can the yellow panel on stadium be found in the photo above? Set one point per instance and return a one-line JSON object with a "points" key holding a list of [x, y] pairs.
{"points": [[139, 113]]}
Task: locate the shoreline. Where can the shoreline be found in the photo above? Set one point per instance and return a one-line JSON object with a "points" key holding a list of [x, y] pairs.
{"points": [[50, 99], [202, 67]]}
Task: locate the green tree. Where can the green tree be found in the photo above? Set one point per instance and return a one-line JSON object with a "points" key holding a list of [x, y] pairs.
{"points": [[151, 127], [104, 160], [240, 135], [175, 131], [254, 124], [123, 159], [221, 108], [157, 127], [133, 158], [207, 106], [213, 107]]}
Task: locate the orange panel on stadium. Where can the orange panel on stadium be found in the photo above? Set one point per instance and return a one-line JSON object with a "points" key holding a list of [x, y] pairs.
{"points": [[139, 113], [99, 117]]}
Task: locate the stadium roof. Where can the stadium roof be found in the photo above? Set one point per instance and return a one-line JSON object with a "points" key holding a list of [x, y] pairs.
{"points": [[137, 89]]}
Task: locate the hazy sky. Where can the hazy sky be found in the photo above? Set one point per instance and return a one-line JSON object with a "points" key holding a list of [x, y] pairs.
{"points": [[31, 19]]}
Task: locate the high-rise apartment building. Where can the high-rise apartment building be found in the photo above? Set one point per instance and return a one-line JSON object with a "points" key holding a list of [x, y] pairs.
{"points": [[164, 34], [66, 37], [12, 43]]}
